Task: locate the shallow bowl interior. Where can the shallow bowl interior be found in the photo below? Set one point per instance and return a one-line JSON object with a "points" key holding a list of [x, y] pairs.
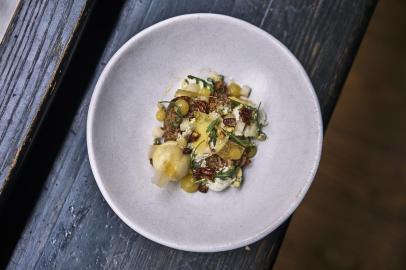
{"points": [[147, 69]]}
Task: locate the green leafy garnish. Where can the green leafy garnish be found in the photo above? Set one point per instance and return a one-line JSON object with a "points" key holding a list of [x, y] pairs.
{"points": [[212, 131], [193, 163], [259, 126], [212, 125], [210, 80], [209, 86], [243, 142], [230, 173]]}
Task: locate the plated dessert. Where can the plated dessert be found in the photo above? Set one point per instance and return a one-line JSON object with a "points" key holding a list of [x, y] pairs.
{"points": [[207, 136], [120, 121]]}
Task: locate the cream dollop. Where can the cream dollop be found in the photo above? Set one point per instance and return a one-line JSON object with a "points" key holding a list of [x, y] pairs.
{"points": [[219, 184]]}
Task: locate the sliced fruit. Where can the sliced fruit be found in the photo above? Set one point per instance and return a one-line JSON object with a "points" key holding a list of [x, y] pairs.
{"points": [[242, 101], [231, 151], [204, 92], [222, 140], [193, 87], [245, 91], [181, 92], [234, 89], [203, 120]]}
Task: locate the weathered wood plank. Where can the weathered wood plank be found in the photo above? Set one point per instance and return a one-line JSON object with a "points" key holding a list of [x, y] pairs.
{"points": [[37, 45], [72, 227]]}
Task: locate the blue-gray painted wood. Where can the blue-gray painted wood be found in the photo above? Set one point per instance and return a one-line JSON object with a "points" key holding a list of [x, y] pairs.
{"points": [[72, 227], [33, 53]]}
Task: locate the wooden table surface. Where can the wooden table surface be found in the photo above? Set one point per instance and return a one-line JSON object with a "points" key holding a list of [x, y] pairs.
{"points": [[34, 54], [53, 215]]}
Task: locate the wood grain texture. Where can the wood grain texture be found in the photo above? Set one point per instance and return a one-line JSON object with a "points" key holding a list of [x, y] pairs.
{"points": [[33, 53], [72, 227]]}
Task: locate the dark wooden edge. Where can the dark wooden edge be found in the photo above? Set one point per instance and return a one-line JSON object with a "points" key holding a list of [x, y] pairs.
{"points": [[57, 76], [53, 126]]}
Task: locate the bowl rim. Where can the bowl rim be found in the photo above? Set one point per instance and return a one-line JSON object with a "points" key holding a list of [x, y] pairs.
{"points": [[90, 146]]}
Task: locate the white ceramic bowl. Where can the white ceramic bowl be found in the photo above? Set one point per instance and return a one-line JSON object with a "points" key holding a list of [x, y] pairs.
{"points": [[147, 69]]}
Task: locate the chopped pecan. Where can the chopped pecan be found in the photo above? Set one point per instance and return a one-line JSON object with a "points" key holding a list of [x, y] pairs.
{"points": [[171, 124], [246, 115], [170, 134], [230, 122], [218, 102], [194, 136], [203, 188], [243, 161], [201, 106], [219, 87], [204, 172], [187, 150], [215, 162]]}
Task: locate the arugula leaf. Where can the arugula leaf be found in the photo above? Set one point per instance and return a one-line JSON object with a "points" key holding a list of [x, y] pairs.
{"points": [[193, 163], [243, 142], [212, 125], [230, 173], [212, 131], [210, 80], [259, 126], [261, 135]]}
